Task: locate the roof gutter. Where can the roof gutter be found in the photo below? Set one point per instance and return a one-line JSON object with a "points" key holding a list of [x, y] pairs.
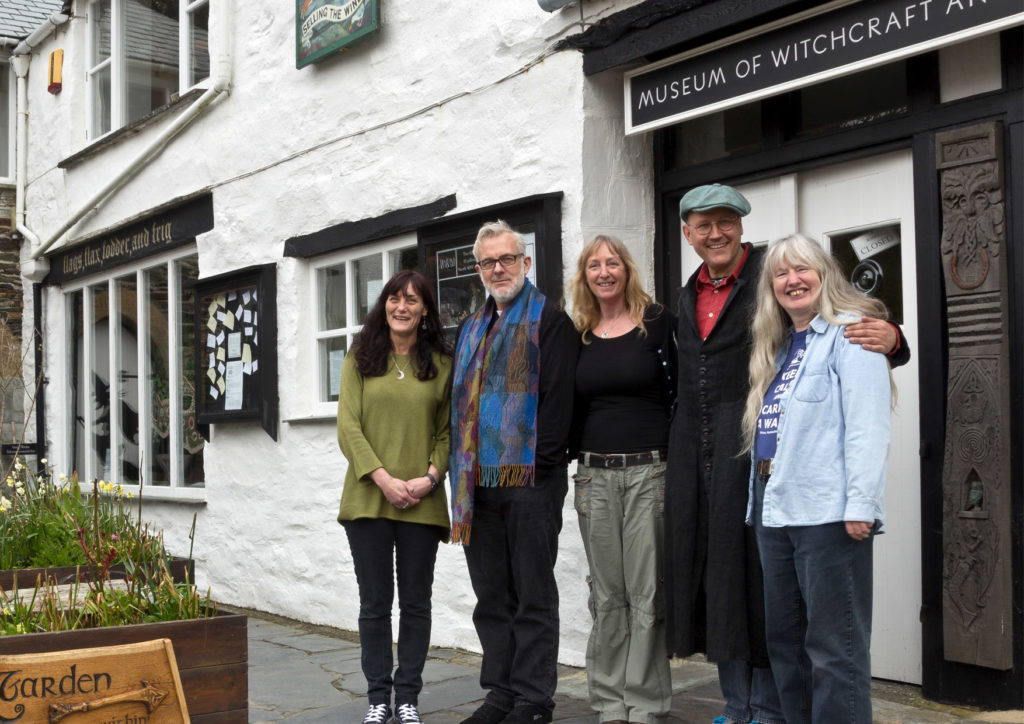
{"points": [[220, 82]]}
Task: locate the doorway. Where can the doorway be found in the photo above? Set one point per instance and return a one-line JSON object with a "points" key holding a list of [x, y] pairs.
{"points": [[863, 211]]}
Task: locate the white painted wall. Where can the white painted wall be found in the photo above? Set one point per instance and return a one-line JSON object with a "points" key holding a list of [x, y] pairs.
{"points": [[439, 103]]}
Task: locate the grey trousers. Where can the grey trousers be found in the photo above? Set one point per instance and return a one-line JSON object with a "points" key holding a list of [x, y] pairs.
{"points": [[621, 514]]}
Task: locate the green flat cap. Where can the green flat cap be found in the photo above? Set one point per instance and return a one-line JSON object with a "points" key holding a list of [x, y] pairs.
{"points": [[713, 196]]}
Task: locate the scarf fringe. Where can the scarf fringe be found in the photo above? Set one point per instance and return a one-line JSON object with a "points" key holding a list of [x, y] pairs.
{"points": [[460, 533], [506, 476]]}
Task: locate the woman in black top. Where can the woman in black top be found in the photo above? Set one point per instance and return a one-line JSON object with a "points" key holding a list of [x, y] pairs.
{"points": [[624, 394]]}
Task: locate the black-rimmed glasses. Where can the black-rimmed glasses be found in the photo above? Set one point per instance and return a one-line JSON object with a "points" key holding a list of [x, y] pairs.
{"points": [[506, 260]]}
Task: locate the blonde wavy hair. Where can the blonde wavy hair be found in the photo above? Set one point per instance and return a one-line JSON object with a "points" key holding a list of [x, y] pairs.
{"points": [[586, 312], [839, 302]]}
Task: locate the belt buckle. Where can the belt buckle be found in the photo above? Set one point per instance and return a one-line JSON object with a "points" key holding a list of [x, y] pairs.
{"points": [[617, 460]]}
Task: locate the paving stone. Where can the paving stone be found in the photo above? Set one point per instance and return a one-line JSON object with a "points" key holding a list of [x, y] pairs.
{"points": [[301, 674]]}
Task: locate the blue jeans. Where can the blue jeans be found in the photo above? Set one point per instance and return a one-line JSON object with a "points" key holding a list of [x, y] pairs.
{"points": [[817, 592], [749, 693], [379, 546], [511, 560]]}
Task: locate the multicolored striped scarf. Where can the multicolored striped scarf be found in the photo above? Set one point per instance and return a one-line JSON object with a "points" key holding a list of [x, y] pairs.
{"points": [[495, 387]]}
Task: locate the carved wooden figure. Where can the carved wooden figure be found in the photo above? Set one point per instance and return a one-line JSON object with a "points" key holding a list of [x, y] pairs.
{"points": [[977, 577]]}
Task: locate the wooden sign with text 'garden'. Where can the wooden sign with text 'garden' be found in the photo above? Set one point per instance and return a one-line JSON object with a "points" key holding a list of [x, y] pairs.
{"points": [[129, 684]]}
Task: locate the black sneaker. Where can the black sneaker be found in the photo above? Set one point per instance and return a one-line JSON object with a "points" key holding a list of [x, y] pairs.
{"points": [[377, 714], [527, 714], [487, 714], [407, 714]]}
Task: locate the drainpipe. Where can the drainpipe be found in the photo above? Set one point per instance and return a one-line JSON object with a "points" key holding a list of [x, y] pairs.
{"points": [[20, 58], [220, 82]]}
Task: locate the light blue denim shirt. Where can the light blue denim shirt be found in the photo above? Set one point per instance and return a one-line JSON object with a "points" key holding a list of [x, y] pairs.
{"points": [[833, 436]]}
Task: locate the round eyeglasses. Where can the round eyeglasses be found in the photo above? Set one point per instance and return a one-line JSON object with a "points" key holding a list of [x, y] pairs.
{"points": [[723, 225]]}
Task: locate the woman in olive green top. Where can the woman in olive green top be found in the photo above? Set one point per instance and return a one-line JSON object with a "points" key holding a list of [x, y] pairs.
{"points": [[393, 412]]}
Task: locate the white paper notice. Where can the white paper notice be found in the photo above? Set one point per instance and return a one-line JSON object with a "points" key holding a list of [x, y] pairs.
{"points": [[214, 393], [233, 380], [337, 357], [234, 345], [247, 368], [246, 297], [247, 316], [211, 341]]}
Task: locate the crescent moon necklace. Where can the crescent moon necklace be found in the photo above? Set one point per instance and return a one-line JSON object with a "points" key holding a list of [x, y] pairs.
{"points": [[401, 370]]}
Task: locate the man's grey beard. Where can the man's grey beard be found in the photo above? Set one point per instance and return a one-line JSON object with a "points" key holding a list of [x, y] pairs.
{"points": [[506, 297]]}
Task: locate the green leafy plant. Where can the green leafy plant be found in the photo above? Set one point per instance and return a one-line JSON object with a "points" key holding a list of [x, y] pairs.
{"points": [[124, 575]]}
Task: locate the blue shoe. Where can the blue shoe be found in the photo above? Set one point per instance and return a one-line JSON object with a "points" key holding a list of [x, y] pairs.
{"points": [[725, 720]]}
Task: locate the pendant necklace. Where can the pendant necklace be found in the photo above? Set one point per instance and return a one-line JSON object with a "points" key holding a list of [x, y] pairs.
{"points": [[401, 370]]}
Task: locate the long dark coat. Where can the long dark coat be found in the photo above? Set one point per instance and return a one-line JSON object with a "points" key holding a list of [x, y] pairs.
{"points": [[713, 586]]}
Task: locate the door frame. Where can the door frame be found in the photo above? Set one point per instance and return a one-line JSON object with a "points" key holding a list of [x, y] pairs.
{"points": [[942, 680]]}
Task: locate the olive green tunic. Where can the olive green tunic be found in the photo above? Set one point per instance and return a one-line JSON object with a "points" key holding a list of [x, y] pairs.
{"points": [[400, 425]]}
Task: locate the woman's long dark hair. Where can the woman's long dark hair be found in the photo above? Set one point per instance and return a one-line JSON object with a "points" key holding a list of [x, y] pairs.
{"points": [[372, 344]]}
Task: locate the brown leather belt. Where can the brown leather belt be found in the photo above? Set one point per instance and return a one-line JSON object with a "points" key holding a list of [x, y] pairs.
{"points": [[763, 467], [621, 460]]}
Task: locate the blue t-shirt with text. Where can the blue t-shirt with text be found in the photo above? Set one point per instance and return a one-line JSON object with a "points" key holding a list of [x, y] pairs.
{"points": [[768, 421]]}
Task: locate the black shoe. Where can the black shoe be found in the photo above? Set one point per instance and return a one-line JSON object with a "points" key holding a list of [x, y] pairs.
{"points": [[487, 714], [527, 714]]}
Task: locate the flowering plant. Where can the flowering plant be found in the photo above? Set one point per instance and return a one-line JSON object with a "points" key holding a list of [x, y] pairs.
{"points": [[46, 523]]}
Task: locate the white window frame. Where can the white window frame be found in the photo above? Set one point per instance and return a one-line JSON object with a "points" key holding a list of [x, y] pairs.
{"points": [[187, 10], [9, 111], [175, 490], [116, 60], [322, 405]]}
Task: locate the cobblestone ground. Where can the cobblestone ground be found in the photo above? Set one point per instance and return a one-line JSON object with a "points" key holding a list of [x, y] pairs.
{"points": [[303, 674]]}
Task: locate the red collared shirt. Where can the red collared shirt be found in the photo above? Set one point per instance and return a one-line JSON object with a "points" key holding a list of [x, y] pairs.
{"points": [[711, 296]]}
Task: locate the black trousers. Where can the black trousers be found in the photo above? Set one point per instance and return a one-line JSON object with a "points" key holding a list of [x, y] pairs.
{"points": [[379, 547], [511, 559]]}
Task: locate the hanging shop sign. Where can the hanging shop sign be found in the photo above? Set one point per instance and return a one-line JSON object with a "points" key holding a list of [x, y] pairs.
{"points": [[325, 26], [152, 235], [803, 50]]}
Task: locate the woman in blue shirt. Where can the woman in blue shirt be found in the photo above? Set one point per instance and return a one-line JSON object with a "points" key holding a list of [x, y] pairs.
{"points": [[817, 425]]}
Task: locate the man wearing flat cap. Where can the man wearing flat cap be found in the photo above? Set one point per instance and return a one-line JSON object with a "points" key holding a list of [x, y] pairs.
{"points": [[713, 585]]}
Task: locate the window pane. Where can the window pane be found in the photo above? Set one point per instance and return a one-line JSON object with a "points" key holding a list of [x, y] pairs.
{"points": [[718, 135], [852, 100], [99, 18], [401, 259], [100, 373], [126, 365], [100, 101], [332, 284], [192, 441], [198, 45], [159, 379], [76, 383], [332, 354], [369, 280], [151, 55]]}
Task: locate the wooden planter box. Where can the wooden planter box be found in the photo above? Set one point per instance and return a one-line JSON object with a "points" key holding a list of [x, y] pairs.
{"points": [[26, 577], [212, 655]]}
